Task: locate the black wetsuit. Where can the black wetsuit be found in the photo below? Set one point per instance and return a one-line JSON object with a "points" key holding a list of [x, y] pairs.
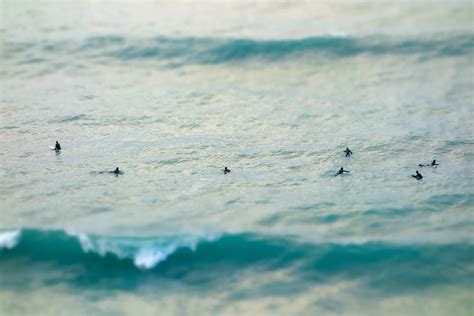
{"points": [[340, 171], [418, 176], [226, 170], [57, 146]]}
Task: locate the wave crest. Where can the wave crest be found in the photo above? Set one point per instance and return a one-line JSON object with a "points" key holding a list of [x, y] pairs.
{"points": [[9, 240], [119, 260], [144, 252]]}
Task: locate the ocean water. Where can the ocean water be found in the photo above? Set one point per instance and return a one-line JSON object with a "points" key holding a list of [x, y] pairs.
{"points": [[173, 91]]}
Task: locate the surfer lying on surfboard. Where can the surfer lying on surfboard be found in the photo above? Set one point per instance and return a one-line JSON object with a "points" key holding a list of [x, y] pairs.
{"points": [[117, 171], [432, 164]]}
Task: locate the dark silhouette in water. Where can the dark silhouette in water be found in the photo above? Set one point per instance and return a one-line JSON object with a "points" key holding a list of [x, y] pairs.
{"points": [[348, 152], [226, 170], [418, 175], [340, 171], [57, 146], [117, 171], [432, 164]]}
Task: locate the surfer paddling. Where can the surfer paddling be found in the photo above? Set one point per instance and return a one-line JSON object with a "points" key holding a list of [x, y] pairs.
{"points": [[226, 170], [341, 171]]}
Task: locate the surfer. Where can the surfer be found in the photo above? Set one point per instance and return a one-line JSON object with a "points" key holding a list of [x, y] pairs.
{"points": [[117, 171], [340, 171], [418, 175], [432, 164], [348, 152], [57, 146], [226, 170]]}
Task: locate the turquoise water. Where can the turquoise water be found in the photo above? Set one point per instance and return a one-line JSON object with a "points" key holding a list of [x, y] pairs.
{"points": [[173, 92]]}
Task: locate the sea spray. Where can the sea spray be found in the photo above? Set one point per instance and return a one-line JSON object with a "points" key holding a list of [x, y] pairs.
{"points": [[146, 252], [9, 239]]}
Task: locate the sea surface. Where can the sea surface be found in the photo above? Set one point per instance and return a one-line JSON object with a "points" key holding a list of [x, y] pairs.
{"points": [[171, 92]]}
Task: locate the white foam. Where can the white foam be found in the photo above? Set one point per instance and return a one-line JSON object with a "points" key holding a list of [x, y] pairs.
{"points": [[146, 253], [9, 240], [148, 258], [85, 242]]}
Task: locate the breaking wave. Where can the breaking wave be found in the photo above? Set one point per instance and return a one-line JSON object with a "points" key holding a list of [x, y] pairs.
{"points": [[145, 253], [9, 239], [169, 254]]}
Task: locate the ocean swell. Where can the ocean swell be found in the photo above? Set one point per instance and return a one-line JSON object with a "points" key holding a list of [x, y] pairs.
{"points": [[124, 262], [145, 253], [192, 50], [234, 249]]}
